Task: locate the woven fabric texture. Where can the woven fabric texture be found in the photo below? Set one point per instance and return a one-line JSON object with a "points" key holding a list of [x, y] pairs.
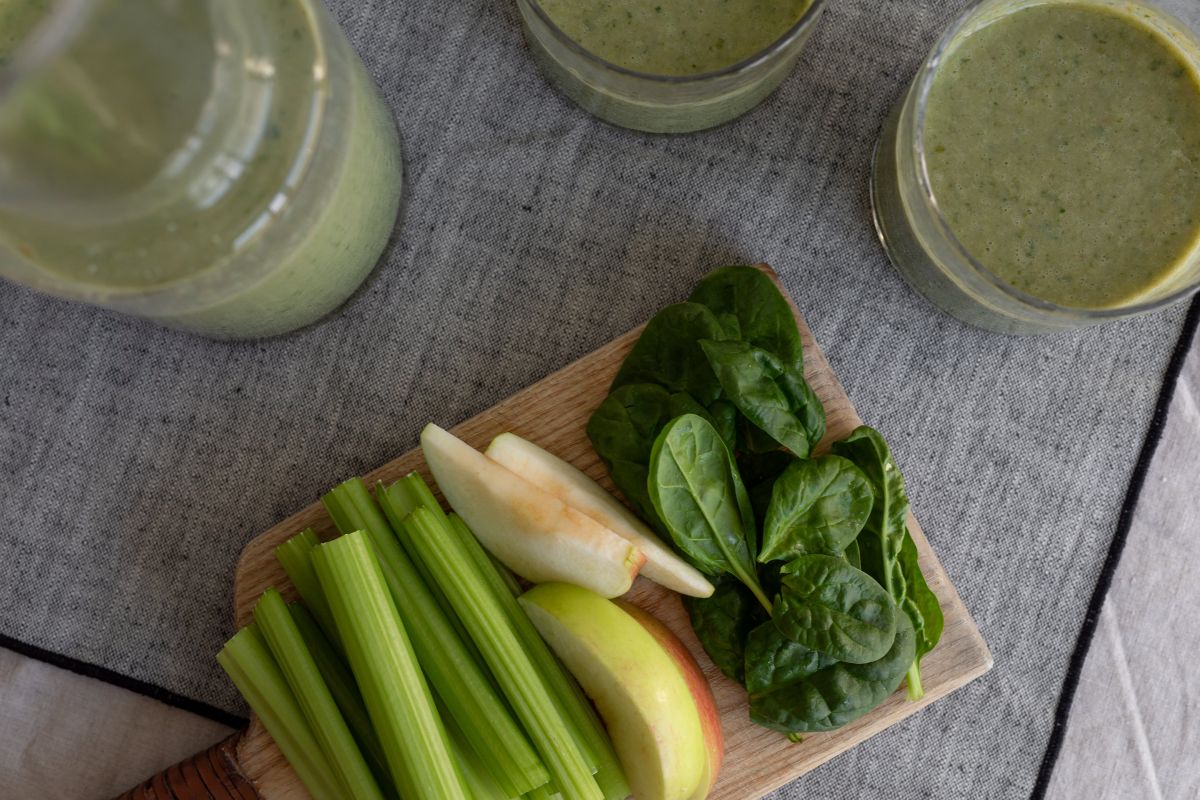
{"points": [[137, 462]]}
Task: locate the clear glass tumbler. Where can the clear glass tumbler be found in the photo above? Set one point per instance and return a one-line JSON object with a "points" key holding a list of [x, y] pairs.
{"points": [[916, 235], [221, 166], [661, 103]]}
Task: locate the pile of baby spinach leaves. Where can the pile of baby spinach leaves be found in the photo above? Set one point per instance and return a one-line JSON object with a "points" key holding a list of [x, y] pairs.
{"points": [[820, 609]]}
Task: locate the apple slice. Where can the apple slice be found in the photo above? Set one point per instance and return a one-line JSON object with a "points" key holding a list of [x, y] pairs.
{"points": [[639, 688], [532, 532], [706, 704], [573, 487]]}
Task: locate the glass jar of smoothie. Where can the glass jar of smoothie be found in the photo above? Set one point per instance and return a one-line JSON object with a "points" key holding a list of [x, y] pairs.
{"points": [[222, 167], [1043, 170], [667, 66]]}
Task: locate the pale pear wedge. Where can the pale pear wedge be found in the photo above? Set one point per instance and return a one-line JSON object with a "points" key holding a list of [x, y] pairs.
{"points": [[569, 484], [530, 531], [638, 686]]}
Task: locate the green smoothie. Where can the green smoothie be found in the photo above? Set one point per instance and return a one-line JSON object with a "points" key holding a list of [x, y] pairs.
{"points": [[674, 37], [228, 169], [1063, 148]]}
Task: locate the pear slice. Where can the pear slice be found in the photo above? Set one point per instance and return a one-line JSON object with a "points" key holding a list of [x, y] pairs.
{"points": [[648, 704], [569, 484], [531, 531]]}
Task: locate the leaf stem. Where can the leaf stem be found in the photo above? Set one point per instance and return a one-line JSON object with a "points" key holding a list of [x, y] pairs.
{"points": [[915, 690], [755, 589]]}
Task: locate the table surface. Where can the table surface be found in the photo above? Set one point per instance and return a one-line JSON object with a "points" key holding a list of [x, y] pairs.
{"points": [[138, 462], [1132, 731]]}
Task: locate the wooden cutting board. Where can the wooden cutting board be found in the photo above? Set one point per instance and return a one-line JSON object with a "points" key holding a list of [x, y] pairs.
{"points": [[553, 413]]}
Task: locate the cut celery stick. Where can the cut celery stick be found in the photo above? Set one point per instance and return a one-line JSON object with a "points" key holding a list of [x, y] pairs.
{"points": [[459, 679], [397, 501], [300, 670], [436, 544], [295, 556], [506, 576], [411, 492], [345, 693], [248, 662], [566, 692], [542, 793], [386, 670], [475, 773]]}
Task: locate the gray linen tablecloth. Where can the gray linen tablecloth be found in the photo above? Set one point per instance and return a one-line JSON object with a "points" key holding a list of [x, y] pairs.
{"points": [[137, 462]]}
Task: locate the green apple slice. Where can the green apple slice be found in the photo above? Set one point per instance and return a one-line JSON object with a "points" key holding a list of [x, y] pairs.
{"points": [[643, 696]]}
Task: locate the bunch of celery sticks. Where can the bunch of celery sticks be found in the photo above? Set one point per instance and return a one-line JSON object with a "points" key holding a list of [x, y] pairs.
{"points": [[409, 669]]}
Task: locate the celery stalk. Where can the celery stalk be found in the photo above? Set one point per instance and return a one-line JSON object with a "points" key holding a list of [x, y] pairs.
{"points": [[458, 678], [411, 492], [386, 670], [316, 701], [566, 692], [479, 780], [541, 793], [506, 577], [248, 662], [295, 556], [397, 501], [345, 693], [437, 546]]}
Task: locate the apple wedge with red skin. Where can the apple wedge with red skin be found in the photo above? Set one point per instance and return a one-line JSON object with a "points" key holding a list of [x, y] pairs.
{"points": [[530, 531], [706, 704], [655, 703]]}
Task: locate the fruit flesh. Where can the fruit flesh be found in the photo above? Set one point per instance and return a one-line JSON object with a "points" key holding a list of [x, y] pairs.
{"points": [[533, 533], [570, 485]]}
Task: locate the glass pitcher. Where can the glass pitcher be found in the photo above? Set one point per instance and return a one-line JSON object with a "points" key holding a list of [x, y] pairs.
{"points": [[221, 166]]}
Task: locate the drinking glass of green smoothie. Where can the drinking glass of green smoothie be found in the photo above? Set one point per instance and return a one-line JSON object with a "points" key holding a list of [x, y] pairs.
{"points": [[222, 167], [667, 66], [1043, 170]]}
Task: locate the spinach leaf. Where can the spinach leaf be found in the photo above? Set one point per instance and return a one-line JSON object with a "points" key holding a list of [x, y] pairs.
{"points": [[622, 430], [923, 610], [770, 393], [724, 417], [723, 620], [883, 535], [753, 440], [668, 353], [774, 661], [759, 472], [720, 414], [811, 409], [697, 492], [884, 539], [750, 307], [852, 555], [829, 606], [764, 468], [834, 695], [817, 506]]}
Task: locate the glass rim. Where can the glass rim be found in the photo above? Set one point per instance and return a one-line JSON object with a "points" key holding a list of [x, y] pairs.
{"points": [[49, 37], [921, 88], [746, 64]]}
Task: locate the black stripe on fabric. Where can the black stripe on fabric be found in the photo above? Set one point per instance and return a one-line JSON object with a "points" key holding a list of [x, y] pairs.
{"points": [[1115, 550], [123, 681]]}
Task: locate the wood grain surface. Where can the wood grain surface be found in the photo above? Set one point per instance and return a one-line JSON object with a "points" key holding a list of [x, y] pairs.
{"points": [[553, 413]]}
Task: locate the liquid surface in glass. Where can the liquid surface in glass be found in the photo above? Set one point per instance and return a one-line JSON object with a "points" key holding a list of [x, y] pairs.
{"points": [[674, 37], [1063, 147]]}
